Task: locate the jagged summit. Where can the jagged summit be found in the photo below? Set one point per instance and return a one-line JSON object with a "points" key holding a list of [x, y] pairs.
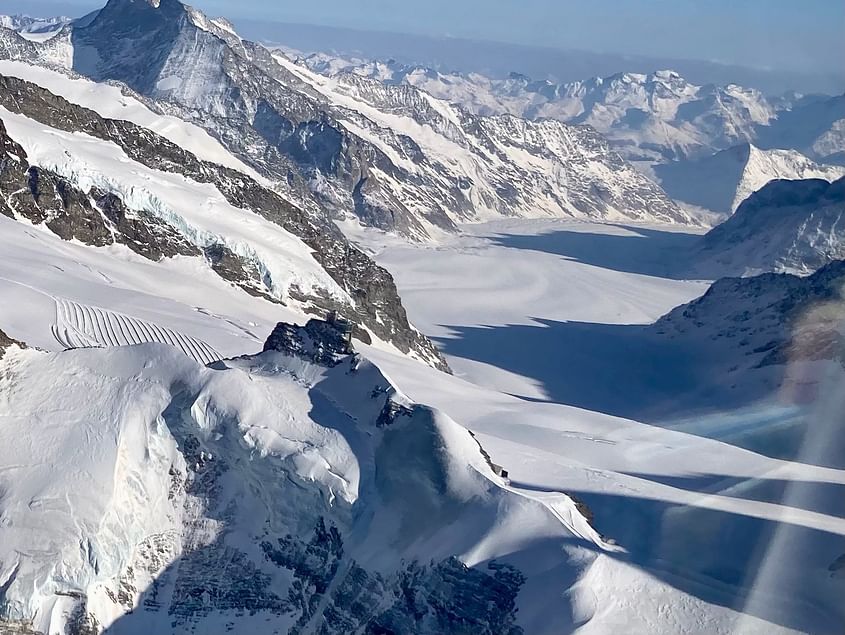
{"points": [[390, 155], [653, 117], [721, 182]]}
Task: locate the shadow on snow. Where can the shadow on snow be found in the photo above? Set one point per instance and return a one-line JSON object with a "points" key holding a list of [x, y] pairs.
{"points": [[649, 252]]}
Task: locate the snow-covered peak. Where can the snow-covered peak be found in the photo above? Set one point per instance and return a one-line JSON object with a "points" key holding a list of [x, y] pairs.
{"points": [[270, 488], [787, 226], [659, 116], [392, 155], [721, 182]]}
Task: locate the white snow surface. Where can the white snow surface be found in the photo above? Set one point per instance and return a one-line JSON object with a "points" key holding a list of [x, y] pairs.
{"points": [[624, 469], [198, 211], [113, 103], [529, 283], [81, 326]]}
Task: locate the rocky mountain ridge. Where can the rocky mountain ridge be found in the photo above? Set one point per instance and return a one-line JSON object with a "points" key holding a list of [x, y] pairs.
{"points": [[393, 156], [788, 226], [766, 320], [656, 117], [99, 217]]}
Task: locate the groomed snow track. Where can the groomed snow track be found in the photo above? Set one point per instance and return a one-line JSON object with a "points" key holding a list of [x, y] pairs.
{"points": [[81, 326]]}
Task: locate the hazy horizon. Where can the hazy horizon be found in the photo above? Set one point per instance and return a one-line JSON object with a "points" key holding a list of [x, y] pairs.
{"points": [[720, 43]]}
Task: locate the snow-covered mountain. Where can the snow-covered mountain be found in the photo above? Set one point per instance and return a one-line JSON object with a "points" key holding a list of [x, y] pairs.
{"points": [[655, 117], [721, 182], [396, 157], [265, 494], [763, 322], [33, 26], [815, 125], [787, 226], [105, 182]]}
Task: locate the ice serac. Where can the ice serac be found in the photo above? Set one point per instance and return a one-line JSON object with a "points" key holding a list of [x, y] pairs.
{"points": [[787, 226], [79, 196], [264, 494], [391, 155], [721, 182]]}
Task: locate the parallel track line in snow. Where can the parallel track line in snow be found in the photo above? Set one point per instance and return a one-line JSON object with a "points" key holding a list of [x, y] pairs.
{"points": [[82, 326]]}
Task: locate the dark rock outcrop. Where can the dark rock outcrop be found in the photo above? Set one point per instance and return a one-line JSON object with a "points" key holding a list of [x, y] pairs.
{"points": [[439, 597], [6, 342], [325, 342]]}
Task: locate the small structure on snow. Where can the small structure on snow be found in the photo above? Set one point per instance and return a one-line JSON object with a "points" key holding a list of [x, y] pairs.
{"points": [[325, 342]]}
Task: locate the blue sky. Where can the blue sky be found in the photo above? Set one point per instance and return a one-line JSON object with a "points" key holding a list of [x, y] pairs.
{"points": [[781, 34]]}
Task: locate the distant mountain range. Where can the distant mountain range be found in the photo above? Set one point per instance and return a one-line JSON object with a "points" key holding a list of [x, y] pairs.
{"points": [[649, 117], [498, 59], [393, 156]]}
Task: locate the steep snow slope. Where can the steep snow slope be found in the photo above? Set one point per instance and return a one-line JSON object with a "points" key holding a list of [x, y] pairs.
{"points": [[198, 211], [786, 226], [103, 181], [394, 156], [111, 102], [81, 326], [721, 182]]}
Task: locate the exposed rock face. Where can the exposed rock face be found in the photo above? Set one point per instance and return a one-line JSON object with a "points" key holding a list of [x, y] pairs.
{"points": [[100, 218], [6, 342], [766, 320], [787, 226], [391, 155], [326, 342], [444, 597], [95, 218]]}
